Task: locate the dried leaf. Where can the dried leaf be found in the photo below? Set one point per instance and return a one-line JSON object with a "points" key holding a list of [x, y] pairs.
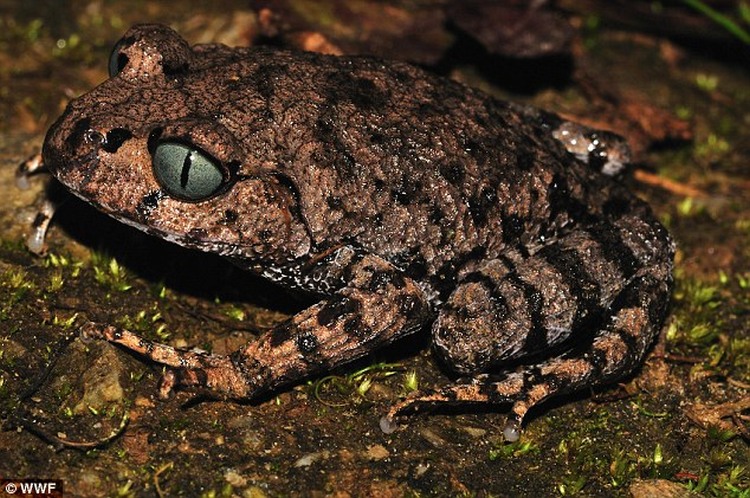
{"points": [[413, 32], [521, 29]]}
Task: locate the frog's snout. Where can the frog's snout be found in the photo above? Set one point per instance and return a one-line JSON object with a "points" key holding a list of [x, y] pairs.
{"points": [[71, 145]]}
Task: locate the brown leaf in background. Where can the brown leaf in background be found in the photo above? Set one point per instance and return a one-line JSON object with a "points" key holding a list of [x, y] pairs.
{"points": [[520, 29], [629, 114], [416, 33]]}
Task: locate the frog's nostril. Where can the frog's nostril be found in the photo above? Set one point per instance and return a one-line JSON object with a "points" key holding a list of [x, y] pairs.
{"points": [[92, 137]]}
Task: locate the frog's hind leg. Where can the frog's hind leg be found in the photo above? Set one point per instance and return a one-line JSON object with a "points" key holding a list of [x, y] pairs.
{"points": [[600, 291], [618, 349]]}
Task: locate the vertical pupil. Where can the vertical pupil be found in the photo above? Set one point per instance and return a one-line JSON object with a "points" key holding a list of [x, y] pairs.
{"points": [[185, 174]]}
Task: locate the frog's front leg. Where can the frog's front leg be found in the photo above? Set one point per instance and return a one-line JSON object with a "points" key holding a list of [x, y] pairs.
{"points": [[378, 305], [46, 207], [603, 295]]}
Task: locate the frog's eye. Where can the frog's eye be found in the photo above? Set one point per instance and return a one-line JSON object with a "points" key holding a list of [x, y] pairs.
{"points": [[185, 172], [117, 59]]}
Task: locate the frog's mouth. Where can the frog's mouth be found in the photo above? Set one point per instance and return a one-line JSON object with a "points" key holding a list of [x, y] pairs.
{"points": [[189, 240]]}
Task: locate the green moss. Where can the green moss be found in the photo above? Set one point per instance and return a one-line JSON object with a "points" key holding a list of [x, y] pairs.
{"points": [[410, 382], [16, 285], [356, 383], [512, 450], [109, 273], [706, 320], [149, 323]]}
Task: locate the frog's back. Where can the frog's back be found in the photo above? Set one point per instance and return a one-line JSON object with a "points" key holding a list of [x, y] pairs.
{"points": [[419, 169]]}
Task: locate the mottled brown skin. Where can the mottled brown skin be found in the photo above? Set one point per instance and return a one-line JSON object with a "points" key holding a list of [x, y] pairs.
{"points": [[400, 198]]}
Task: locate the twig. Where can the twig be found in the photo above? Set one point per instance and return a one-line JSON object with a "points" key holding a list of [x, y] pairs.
{"points": [[159, 471], [668, 185], [59, 442]]}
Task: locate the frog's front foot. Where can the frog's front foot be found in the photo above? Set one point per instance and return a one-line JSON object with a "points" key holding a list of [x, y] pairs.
{"points": [[46, 208], [27, 168], [214, 375], [220, 380]]}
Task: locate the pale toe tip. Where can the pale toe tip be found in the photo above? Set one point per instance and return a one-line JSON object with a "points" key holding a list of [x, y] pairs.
{"points": [[166, 386], [388, 424], [511, 432]]}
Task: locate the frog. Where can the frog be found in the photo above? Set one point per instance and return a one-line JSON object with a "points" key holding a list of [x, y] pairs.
{"points": [[401, 201]]}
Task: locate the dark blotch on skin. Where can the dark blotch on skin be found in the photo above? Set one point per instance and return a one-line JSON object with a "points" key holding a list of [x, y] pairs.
{"points": [[265, 78], [382, 278], [617, 206], [282, 333], [324, 128], [453, 172], [405, 191], [334, 202], [614, 249], [153, 140], [417, 268], [174, 69], [536, 339], [379, 279], [480, 204], [377, 138], [352, 325], [307, 343], [229, 216], [115, 138], [524, 159], [362, 92], [76, 137], [479, 151], [335, 308], [265, 235], [561, 200], [513, 228], [436, 215], [597, 359], [582, 286], [445, 278], [149, 202]]}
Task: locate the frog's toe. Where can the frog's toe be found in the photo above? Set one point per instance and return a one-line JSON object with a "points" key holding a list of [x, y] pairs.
{"points": [[481, 389], [167, 385], [388, 424], [512, 429]]}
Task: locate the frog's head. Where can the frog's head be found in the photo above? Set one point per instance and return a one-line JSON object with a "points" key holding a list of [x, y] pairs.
{"points": [[141, 148]]}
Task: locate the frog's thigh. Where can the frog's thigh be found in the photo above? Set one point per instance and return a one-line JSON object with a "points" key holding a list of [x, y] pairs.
{"points": [[507, 309]]}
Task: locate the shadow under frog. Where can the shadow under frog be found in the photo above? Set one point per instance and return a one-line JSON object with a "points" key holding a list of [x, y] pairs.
{"points": [[402, 198]]}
